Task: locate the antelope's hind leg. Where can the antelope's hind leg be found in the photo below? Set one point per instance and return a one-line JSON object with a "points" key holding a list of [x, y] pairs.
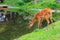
{"points": [[48, 22], [52, 22]]}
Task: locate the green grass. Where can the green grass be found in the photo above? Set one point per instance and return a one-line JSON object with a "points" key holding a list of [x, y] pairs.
{"points": [[44, 34]]}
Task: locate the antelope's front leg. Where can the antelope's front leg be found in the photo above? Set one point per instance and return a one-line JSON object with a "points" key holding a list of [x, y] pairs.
{"points": [[39, 22]]}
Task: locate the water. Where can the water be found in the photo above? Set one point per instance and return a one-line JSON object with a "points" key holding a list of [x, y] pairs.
{"points": [[41, 9], [12, 7]]}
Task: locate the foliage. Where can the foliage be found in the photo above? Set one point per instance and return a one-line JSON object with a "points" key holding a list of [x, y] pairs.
{"points": [[27, 0], [21, 3], [41, 4]]}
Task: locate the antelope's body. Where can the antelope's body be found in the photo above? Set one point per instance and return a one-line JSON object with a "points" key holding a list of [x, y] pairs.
{"points": [[41, 15]]}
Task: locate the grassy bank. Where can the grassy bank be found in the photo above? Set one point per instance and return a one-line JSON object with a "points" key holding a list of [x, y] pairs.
{"points": [[44, 34]]}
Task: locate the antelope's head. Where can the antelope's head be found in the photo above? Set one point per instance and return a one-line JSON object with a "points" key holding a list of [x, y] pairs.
{"points": [[30, 24]]}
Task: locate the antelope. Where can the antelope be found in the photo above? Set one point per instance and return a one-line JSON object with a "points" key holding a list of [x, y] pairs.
{"points": [[40, 16]]}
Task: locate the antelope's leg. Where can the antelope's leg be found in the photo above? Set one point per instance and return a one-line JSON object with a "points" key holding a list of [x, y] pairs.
{"points": [[39, 22], [51, 20], [51, 17], [48, 22]]}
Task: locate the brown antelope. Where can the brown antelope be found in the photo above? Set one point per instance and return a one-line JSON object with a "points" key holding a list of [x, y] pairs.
{"points": [[40, 16]]}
